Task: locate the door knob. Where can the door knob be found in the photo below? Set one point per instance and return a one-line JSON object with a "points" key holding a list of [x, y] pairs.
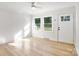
{"points": [[58, 28]]}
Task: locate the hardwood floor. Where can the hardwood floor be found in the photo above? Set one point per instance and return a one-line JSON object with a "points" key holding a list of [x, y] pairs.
{"points": [[37, 47]]}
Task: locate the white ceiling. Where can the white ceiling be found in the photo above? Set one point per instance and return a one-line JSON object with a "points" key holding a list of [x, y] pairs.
{"points": [[25, 7]]}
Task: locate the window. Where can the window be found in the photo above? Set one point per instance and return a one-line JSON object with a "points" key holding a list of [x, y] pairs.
{"points": [[37, 23], [62, 18], [48, 23], [65, 18]]}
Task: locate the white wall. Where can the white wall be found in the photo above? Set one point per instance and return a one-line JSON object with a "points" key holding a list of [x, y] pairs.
{"points": [[5, 17], [77, 28], [41, 33], [10, 23], [55, 14]]}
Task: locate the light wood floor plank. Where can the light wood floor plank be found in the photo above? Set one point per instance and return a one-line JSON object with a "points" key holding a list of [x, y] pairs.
{"points": [[38, 47]]}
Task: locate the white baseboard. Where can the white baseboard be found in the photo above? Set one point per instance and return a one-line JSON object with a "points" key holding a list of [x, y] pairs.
{"points": [[77, 49]]}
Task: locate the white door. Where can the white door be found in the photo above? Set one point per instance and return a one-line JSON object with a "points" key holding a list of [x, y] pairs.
{"points": [[65, 30]]}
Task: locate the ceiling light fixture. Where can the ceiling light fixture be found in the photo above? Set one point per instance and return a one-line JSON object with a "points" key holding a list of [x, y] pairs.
{"points": [[33, 5], [33, 8]]}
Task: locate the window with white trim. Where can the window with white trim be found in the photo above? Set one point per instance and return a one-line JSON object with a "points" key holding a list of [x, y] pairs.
{"points": [[48, 23]]}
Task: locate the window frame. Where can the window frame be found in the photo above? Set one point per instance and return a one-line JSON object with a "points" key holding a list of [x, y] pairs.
{"points": [[37, 28], [50, 23]]}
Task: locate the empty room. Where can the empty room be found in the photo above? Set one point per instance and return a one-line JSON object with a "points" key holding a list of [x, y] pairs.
{"points": [[39, 28]]}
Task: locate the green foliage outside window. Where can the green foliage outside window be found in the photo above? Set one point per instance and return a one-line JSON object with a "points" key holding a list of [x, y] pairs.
{"points": [[48, 23], [37, 22]]}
